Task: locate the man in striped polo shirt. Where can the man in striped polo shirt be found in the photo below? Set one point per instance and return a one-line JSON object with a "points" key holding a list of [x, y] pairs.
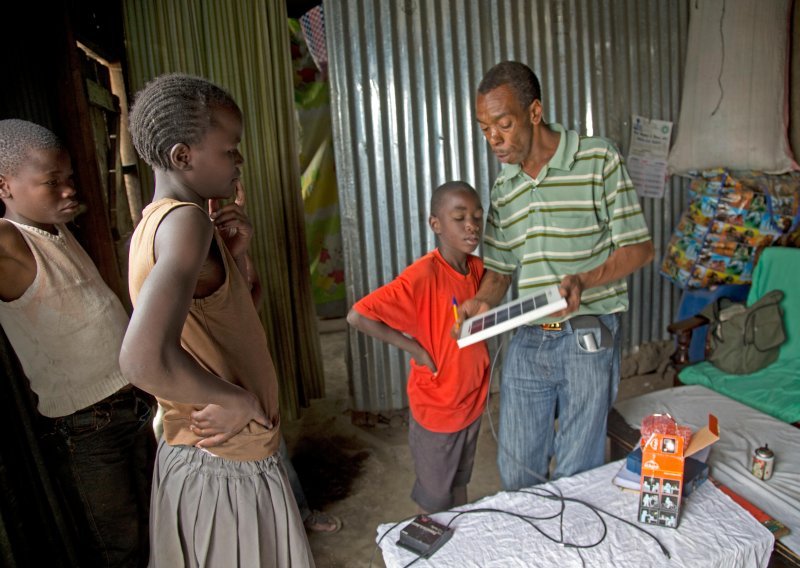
{"points": [[563, 211]]}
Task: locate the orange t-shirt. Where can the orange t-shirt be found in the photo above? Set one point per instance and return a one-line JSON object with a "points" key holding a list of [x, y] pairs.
{"points": [[419, 303]]}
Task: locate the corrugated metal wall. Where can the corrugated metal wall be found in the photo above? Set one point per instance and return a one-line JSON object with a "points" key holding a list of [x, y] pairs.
{"points": [[403, 76]]}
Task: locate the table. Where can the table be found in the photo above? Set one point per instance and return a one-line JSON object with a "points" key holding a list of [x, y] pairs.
{"points": [[713, 531]]}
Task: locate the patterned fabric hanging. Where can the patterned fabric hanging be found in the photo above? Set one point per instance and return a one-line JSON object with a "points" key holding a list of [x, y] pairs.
{"points": [[313, 25]]}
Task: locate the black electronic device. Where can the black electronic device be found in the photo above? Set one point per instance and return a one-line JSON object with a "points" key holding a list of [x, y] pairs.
{"points": [[424, 536]]}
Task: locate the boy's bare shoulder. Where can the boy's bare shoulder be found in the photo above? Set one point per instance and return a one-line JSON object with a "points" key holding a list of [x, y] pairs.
{"points": [[184, 231], [17, 264], [187, 215], [12, 243]]}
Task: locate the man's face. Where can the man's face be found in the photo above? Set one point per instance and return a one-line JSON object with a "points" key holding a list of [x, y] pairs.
{"points": [[507, 126]]}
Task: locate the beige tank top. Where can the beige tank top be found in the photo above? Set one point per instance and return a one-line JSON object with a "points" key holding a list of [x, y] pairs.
{"points": [[224, 334]]}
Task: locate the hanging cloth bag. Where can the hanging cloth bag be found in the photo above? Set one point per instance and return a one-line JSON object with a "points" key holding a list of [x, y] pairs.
{"points": [[741, 339]]}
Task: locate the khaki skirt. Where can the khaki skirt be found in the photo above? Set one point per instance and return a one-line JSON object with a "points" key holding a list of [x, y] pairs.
{"points": [[206, 511]]}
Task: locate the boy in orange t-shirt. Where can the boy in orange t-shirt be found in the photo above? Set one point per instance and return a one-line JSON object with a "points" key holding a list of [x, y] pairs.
{"points": [[447, 386]]}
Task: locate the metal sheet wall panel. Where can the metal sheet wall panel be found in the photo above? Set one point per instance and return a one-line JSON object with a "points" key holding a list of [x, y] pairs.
{"points": [[403, 76]]}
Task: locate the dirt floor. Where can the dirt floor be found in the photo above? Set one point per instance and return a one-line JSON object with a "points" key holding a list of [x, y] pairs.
{"points": [[364, 474]]}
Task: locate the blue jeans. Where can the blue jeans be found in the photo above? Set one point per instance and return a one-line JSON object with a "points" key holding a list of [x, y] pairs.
{"points": [[103, 460], [548, 374]]}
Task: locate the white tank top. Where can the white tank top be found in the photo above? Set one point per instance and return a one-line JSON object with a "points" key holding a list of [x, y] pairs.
{"points": [[67, 327]]}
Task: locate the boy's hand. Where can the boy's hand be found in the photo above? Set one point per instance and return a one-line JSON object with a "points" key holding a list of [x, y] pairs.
{"points": [[234, 226], [422, 357], [217, 424], [466, 310]]}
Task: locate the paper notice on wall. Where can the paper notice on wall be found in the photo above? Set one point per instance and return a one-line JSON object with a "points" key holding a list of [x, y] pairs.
{"points": [[647, 157]]}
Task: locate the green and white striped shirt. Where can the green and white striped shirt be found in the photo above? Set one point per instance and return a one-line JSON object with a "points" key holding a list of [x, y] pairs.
{"points": [[580, 208]]}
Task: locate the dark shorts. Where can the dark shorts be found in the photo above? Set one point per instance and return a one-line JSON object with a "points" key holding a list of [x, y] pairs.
{"points": [[441, 462]]}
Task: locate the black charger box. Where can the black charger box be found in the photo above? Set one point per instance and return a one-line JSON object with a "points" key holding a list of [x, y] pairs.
{"points": [[424, 536]]}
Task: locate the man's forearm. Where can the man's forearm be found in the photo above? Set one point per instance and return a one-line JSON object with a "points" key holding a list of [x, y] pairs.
{"points": [[621, 263], [493, 287]]}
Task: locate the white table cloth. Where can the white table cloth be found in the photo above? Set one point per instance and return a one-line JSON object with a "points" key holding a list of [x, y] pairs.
{"points": [[713, 531]]}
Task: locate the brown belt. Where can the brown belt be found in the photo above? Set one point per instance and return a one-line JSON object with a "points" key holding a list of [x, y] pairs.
{"points": [[552, 326]]}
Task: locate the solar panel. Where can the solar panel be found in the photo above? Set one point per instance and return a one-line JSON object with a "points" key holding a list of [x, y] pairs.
{"points": [[510, 315]]}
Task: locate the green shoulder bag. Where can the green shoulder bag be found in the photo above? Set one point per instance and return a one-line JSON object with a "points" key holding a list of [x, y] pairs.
{"points": [[742, 339]]}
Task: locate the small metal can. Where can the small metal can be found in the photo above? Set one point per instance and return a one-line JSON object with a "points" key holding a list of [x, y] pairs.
{"points": [[763, 460]]}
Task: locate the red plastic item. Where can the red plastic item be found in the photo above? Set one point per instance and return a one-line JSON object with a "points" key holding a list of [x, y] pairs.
{"points": [[664, 424]]}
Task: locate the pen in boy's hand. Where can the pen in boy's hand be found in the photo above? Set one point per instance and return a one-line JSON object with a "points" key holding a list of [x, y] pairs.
{"points": [[455, 312]]}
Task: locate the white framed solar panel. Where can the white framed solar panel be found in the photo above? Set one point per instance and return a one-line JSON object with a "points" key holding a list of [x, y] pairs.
{"points": [[510, 315]]}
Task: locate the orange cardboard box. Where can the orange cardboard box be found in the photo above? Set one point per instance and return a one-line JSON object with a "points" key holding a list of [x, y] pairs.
{"points": [[663, 458]]}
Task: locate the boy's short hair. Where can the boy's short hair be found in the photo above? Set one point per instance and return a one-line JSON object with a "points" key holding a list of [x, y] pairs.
{"points": [[17, 138], [173, 109], [438, 194]]}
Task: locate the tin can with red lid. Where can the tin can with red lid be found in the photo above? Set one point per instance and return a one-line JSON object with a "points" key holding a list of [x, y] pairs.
{"points": [[763, 462]]}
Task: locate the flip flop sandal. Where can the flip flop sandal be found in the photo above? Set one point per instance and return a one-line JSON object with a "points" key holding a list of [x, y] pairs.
{"points": [[324, 523]]}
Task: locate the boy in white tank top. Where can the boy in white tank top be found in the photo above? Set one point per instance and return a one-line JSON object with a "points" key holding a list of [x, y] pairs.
{"points": [[66, 327]]}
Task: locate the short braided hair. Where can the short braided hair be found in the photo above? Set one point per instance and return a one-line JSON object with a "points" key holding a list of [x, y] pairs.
{"points": [[18, 138], [173, 109], [516, 75], [439, 193]]}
